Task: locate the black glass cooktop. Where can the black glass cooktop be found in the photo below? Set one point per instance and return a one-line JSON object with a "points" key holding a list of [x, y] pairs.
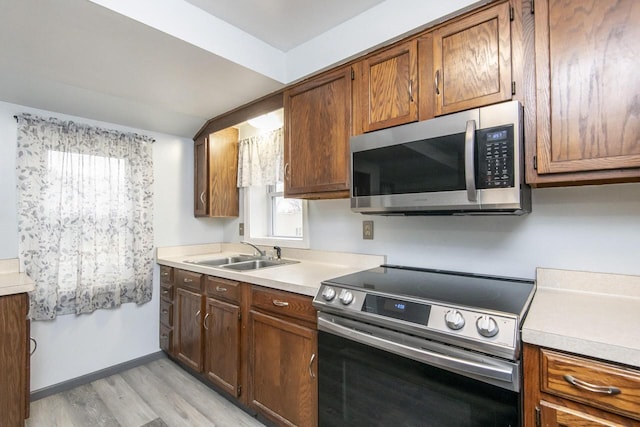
{"points": [[507, 295]]}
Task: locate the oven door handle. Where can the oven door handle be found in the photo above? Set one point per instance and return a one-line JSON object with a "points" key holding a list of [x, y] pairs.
{"points": [[429, 357]]}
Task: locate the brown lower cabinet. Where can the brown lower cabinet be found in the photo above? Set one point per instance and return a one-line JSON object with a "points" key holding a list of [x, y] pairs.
{"points": [[14, 360], [563, 389], [282, 358], [257, 345]]}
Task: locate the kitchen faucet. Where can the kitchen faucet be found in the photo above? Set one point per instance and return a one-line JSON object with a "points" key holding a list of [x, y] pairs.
{"points": [[262, 253]]}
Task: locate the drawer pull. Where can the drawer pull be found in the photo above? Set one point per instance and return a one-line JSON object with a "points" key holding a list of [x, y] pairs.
{"points": [[165, 311], [591, 387], [165, 291], [165, 273], [311, 374], [220, 289], [279, 303], [187, 280]]}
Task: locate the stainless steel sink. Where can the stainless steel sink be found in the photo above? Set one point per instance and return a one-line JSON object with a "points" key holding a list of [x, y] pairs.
{"points": [[222, 261], [242, 262], [258, 264]]}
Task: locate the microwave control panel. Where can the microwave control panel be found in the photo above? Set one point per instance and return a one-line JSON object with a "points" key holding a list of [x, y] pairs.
{"points": [[495, 168]]}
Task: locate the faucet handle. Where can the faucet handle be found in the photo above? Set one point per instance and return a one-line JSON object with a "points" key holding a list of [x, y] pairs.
{"points": [[278, 252]]}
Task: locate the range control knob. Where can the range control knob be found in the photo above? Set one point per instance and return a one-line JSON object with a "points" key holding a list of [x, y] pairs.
{"points": [[346, 297], [328, 294], [454, 319], [487, 326]]}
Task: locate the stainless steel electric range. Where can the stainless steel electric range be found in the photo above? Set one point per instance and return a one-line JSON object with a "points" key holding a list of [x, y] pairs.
{"points": [[409, 346]]}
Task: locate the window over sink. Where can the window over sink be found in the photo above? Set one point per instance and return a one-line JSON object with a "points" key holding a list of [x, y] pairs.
{"points": [[269, 217]]}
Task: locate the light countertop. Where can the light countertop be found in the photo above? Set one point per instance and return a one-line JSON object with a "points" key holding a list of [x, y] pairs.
{"points": [[12, 281], [592, 314], [303, 277]]}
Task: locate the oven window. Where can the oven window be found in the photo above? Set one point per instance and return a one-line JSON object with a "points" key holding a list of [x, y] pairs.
{"points": [[363, 386]]}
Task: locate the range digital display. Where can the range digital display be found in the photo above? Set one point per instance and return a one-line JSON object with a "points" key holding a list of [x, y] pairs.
{"points": [[398, 309]]}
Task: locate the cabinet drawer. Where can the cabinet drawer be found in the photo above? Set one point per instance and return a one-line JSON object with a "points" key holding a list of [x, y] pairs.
{"points": [[166, 313], [166, 338], [188, 279], [597, 384], [166, 274], [166, 291], [225, 289], [283, 303]]}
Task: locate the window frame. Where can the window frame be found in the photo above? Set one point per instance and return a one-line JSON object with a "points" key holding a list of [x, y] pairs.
{"points": [[270, 240]]}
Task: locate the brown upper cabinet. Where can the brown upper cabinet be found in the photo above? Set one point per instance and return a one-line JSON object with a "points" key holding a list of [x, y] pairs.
{"points": [[587, 58], [216, 172], [386, 93], [316, 136], [201, 176], [472, 61]]}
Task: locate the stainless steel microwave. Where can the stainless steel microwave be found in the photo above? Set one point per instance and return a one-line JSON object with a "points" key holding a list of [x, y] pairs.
{"points": [[464, 163]]}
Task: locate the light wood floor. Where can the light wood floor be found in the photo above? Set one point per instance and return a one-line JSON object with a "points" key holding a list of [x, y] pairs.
{"points": [[158, 394]]}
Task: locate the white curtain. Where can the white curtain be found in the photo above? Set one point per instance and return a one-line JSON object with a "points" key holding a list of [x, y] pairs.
{"points": [[85, 210], [261, 159]]}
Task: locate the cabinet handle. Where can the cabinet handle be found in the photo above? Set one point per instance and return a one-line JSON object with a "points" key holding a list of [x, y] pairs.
{"points": [[591, 387], [311, 374], [206, 316], [198, 317], [287, 172], [35, 345], [164, 336], [165, 273], [187, 280], [437, 82], [411, 90], [165, 291], [165, 311], [279, 303], [221, 289], [202, 198]]}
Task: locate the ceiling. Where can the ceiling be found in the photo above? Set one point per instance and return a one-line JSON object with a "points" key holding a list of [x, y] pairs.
{"points": [[169, 69]]}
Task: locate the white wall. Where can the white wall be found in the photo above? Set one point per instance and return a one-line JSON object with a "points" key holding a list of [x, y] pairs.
{"points": [[71, 346], [591, 228]]}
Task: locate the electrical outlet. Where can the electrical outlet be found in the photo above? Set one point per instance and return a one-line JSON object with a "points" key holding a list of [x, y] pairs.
{"points": [[241, 229], [367, 230]]}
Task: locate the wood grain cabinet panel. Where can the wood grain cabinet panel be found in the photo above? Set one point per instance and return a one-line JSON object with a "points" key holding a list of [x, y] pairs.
{"points": [[201, 176], [472, 61], [187, 333], [316, 137], [283, 370], [216, 174], [388, 87], [562, 389], [587, 61], [222, 345], [14, 359]]}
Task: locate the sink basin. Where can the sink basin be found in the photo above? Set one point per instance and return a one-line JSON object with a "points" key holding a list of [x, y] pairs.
{"points": [[258, 264], [222, 261]]}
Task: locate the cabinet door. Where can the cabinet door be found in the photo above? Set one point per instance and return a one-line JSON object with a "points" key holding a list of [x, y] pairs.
{"points": [[472, 61], [201, 174], [587, 61], [388, 88], [222, 345], [283, 370], [187, 333], [317, 130], [14, 359], [558, 416], [223, 173]]}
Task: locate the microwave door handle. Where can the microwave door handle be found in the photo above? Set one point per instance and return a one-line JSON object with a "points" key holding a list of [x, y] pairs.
{"points": [[469, 160]]}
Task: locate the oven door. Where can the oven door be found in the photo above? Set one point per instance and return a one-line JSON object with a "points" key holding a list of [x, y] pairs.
{"points": [[364, 385]]}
